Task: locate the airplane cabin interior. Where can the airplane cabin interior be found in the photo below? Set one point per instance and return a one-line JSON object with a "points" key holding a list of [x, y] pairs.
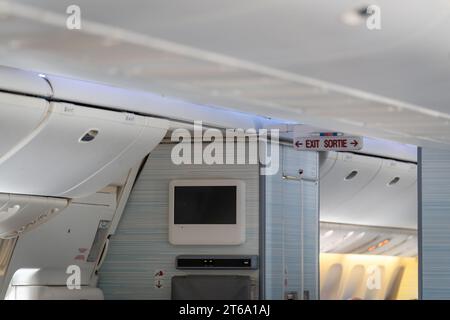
{"points": [[95, 192], [224, 150]]}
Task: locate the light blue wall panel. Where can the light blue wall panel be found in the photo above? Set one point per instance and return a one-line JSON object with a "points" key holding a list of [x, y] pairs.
{"points": [[140, 246], [292, 213], [435, 224]]}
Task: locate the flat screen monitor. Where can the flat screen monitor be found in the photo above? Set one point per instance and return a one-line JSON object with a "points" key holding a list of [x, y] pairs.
{"points": [[207, 212]]}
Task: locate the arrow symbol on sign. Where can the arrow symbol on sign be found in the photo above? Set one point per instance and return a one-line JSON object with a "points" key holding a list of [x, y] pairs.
{"points": [[354, 143], [298, 144], [159, 285]]}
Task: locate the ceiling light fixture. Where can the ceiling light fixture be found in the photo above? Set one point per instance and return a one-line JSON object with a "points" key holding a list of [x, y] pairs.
{"points": [[383, 243], [361, 235], [328, 234], [348, 235], [355, 17]]}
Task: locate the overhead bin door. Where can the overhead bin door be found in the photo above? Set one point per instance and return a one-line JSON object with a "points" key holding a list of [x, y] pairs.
{"points": [[78, 150], [368, 191], [389, 200], [327, 160], [20, 213], [348, 176], [24, 82], [19, 117]]}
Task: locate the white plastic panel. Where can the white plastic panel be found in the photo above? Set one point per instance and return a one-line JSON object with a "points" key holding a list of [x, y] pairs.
{"points": [[396, 203], [83, 92], [19, 213], [327, 160], [56, 162], [368, 198], [336, 190], [25, 82], [19, 116], [64, 240], [389, 149], [53, 293]]}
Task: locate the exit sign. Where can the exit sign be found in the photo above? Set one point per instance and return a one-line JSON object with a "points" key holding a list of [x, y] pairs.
{"points": [[328, 143]]}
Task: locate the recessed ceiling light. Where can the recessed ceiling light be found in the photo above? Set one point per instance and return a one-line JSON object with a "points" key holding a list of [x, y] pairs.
{"points": [[348, 235], [355, 17], [383, 243], [328, 234], [362, 234]]}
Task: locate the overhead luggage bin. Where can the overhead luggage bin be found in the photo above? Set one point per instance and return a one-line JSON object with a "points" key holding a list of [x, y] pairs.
{"points": [[80, 231], [101, 95], [327, 160], [344, 178], [19, 213], [76, 151], [364, 190], [390, 195], [19, 117], [24, 82]]}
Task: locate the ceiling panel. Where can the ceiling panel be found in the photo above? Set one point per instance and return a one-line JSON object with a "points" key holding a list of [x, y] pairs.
{"points": [[235, 58]]}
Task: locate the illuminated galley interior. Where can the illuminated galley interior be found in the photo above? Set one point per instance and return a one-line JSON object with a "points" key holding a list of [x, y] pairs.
{"points": [[144, 157]]}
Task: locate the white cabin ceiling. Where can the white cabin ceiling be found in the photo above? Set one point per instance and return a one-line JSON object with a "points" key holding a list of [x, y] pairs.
{"points": [[289, 59]]}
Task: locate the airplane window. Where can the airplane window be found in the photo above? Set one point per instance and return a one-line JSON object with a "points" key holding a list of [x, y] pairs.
{"points": [[394, 286], [354, 282], [331, 285]]}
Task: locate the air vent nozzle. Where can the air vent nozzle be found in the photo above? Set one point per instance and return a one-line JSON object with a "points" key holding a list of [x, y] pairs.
{"points": [[394, 181], [351, 175]]}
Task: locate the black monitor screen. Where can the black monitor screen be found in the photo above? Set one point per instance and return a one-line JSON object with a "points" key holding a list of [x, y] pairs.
{"points": [[205, 205]]}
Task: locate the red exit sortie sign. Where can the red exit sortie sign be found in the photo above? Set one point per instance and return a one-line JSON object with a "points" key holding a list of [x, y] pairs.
{"points": [[333, 143]]}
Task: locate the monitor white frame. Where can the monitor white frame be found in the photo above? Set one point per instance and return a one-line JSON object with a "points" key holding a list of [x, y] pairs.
{"points": [[208, 234]]}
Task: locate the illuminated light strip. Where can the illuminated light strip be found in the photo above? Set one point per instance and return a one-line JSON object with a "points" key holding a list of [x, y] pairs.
{"points": [[378, 245], [399, 248]]}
